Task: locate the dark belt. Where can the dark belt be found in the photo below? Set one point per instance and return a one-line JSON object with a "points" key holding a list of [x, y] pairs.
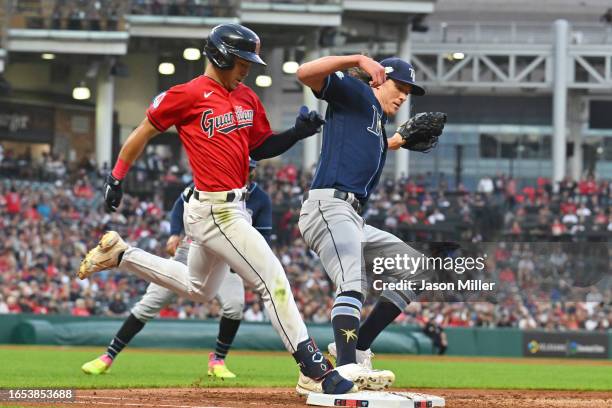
{"points": [[344, 196], [231, 196]]}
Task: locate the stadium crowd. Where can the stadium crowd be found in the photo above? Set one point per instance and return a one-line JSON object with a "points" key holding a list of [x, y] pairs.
{"points": [[50, 215], [99, 15]]}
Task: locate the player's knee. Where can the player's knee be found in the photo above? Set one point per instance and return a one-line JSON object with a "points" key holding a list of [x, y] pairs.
{"points": [[233, 310], [199, 293], [355, 285], [143, 314]]}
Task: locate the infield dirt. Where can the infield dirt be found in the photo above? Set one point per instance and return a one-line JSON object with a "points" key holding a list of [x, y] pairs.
{"points": [[286, 398]]}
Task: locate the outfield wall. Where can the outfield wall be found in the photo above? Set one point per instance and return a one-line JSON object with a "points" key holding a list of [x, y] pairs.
{"points": [[166, 333]]}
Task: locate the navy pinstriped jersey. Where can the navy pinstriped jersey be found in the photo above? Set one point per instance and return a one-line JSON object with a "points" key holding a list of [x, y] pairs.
{"points": [[258, 205], [354, 141]]}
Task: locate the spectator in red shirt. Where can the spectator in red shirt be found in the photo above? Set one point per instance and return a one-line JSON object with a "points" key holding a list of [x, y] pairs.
{"points": [[288, 173], [558, 228], [516, 229], [79, 308], [168, 312], [83, 190], [457, 320], [530, 192], [507, 275], [13, 202], [588, 186], [600, 218], [568, 207], [13, 305], [32, 213]]}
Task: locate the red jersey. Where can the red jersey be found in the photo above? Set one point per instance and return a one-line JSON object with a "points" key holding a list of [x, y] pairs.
{"points": [[13, 203], [217, 127]]}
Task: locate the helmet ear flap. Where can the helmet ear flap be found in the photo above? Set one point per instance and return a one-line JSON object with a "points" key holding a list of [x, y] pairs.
{"points": [[217, 57]]}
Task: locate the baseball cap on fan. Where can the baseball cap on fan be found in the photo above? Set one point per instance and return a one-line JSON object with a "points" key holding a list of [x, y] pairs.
{"points": [[402, 71]]}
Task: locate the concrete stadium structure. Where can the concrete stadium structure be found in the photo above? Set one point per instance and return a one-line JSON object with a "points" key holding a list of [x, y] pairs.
{"points": [[527, 94]]}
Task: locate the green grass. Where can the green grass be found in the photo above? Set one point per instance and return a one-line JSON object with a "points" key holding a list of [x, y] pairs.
{"points": [[60, 367]]}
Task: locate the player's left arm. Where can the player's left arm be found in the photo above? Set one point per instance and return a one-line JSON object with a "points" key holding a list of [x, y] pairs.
{"points": [[265, 146], [262, 220], [176, 225]]}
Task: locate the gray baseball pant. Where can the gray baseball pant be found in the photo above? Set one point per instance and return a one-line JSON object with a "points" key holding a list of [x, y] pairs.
{"points": [[332, 228]]}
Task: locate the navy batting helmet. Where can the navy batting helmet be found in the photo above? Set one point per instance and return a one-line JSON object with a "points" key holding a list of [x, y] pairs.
{"points": [[227, 41]]}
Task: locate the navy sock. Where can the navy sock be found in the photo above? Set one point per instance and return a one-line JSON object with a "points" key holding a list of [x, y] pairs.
{"points": [[126, 333], [345, 317], [227, 331], [383, 314]]}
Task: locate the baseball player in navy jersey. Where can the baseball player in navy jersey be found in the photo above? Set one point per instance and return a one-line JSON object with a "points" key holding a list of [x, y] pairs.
{"points": [[230, 295], [220, 122], [259, 205], [352, 158]]}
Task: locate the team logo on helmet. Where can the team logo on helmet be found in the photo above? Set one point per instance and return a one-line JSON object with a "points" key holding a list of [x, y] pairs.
{"points": [[226, 122], [412, 74]]}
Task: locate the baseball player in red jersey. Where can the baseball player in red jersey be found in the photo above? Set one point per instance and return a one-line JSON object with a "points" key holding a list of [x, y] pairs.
{"points": [[220, 122]]}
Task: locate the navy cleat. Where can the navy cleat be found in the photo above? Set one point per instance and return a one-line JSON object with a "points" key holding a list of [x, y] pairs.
{"points": [[334, 383]]}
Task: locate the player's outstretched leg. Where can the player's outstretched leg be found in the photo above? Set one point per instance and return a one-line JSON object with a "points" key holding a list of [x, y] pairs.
{"points": [[106, 255], [112, 252], [101, 365]]}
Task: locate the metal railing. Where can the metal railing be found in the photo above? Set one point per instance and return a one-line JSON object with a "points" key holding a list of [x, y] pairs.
{"points": [[101, 15], [5, 14], [208, 8], [298, 2], [512, 32]]}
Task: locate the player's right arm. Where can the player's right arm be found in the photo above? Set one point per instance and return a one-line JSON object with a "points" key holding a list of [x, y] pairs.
{"points": [[130, 151], [167, 109], [137, 140], [313, 74]]}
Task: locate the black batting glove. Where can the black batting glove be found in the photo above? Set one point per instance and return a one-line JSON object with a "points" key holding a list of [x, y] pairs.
{"points": [[308, 123], [112, 193]]}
